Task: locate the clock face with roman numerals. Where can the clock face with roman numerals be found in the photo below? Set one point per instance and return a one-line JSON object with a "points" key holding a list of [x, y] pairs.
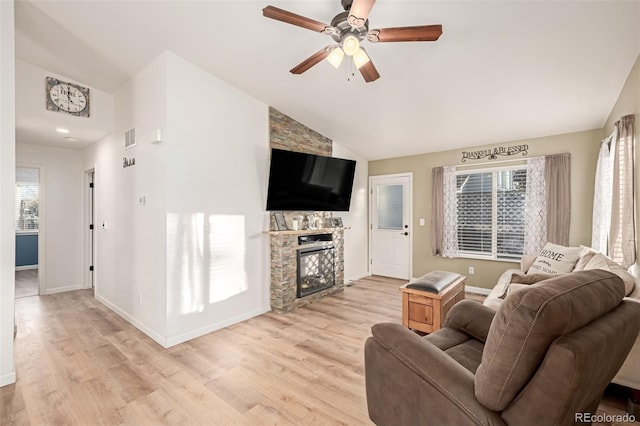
{"points": [[67, 97]]}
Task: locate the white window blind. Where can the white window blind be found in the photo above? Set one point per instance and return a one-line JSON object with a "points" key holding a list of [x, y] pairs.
{"points": [[491, 212], [26, 201]]}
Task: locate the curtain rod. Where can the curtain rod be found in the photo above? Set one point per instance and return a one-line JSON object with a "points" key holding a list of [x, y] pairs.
{"points": [[486, 163]]}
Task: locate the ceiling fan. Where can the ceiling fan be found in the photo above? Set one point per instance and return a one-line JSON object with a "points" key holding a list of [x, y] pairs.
{"points": [[348, 29]]}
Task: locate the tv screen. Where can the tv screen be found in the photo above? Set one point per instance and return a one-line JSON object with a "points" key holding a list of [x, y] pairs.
{"points": [[300, 181]]}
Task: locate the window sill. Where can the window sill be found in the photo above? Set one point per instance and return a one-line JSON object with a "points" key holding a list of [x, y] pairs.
{"points": [[27, 232], [480, 257]]}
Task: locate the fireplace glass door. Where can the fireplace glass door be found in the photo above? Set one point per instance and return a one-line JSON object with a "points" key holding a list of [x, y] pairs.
{"points": [[315, 270]]}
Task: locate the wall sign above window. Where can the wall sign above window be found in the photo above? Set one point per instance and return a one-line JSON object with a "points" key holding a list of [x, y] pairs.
{"points": [[492, 154]]}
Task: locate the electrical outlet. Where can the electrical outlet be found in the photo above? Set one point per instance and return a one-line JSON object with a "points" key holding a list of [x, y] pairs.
{"points": [[471, 270]]}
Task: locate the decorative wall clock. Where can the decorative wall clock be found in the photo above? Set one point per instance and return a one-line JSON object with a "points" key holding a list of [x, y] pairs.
{"points": [[67, 97]]}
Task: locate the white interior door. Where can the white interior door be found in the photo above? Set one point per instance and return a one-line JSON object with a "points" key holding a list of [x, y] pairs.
{"points": [[390, 233]]}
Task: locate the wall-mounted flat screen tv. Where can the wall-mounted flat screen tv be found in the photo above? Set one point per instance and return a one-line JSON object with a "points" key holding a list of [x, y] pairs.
{"points": [[300, 181]]}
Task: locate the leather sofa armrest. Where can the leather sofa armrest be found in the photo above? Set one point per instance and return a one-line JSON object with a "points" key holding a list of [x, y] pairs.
{"points": [[411, 381], [471, 317]]}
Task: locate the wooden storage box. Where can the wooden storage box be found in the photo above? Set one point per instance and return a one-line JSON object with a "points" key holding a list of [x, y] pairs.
{"points": [[425, 311]]}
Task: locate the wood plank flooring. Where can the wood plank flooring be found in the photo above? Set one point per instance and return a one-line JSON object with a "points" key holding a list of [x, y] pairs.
{"points": [[78, 363], [26, 283]]}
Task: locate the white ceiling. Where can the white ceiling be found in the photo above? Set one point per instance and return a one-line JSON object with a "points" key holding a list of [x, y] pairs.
{"points": [[501, 71]]}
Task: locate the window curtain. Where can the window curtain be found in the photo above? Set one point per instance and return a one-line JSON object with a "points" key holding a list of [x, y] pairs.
{"points": [[444, 212], [535, 207], [613, 230], [557, 170], [602, 198], [437, 210], [547, 205], [622, 235], [450, 212]]}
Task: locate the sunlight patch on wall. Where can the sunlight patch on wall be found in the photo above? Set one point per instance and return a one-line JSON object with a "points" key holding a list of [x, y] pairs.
{"points": [[206, 259], [227, 247]]}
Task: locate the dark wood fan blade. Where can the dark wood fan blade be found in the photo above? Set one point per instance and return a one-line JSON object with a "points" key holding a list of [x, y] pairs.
{"points": [[293, 19], [419, 33], [369, 72], [312, 60], [359, 12]]}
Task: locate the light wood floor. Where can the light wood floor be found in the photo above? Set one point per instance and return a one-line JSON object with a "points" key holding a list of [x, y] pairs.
{"points": [[26, 283], [78, 363]]}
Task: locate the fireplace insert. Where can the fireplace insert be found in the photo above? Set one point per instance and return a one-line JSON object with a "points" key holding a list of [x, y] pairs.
{"points": [[316, 270]]}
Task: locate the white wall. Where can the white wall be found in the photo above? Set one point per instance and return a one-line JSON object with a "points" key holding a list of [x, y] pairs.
{"points": [[194, 257], [356, 251], [62, 223], [130, 248], [7, 191], [217, 253]]}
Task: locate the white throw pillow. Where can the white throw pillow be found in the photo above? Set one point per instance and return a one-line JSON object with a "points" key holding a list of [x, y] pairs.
{"points": [[555, 259], [585, 256], [600, 261]]}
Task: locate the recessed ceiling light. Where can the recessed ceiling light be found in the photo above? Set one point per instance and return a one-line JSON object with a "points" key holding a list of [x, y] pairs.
{"points": [[62, 130], [70, 139]]}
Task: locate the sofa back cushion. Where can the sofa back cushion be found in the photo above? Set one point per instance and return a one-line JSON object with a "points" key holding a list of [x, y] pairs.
{"points": [[530, 320], [555, 259]]}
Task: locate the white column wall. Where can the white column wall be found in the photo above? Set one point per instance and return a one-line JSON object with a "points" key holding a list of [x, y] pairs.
{"points": [[7, 192], [356, 249], [130, 205], [217, 252]]}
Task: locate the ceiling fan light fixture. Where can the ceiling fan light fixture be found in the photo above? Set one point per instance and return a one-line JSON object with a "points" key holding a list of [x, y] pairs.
{"points": [[360, 58], [335, 57], [350, 45]]}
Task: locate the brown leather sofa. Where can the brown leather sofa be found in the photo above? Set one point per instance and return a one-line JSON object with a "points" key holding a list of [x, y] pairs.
{"points": [[544, 357]]}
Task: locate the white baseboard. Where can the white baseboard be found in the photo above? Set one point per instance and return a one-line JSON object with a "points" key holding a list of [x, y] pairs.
{"points": [[26, 267], [157, 337], [8, 379], [63, 289], [350, 280], [172, 341], [477, 290]]}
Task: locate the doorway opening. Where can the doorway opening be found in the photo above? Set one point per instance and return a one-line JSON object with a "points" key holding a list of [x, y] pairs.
{"points": [[390, 218], [28, 235]]}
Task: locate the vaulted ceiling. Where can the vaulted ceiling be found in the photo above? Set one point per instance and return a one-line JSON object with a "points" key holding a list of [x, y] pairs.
{"points": [[501, 71]]}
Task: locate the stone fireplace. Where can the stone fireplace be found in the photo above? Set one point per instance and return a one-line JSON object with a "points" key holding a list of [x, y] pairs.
{"points": [[305, 268], [286, 246]]}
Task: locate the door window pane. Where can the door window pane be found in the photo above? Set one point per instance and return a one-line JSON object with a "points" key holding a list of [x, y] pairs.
{"points": [[390, 207]]}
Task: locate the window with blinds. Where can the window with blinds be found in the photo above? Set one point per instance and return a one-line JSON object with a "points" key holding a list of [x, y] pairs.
{"points": [[26, 202], [491, 212]]}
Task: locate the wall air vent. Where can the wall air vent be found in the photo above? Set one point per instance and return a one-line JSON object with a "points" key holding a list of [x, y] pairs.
{"points": [[129, 138]]}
